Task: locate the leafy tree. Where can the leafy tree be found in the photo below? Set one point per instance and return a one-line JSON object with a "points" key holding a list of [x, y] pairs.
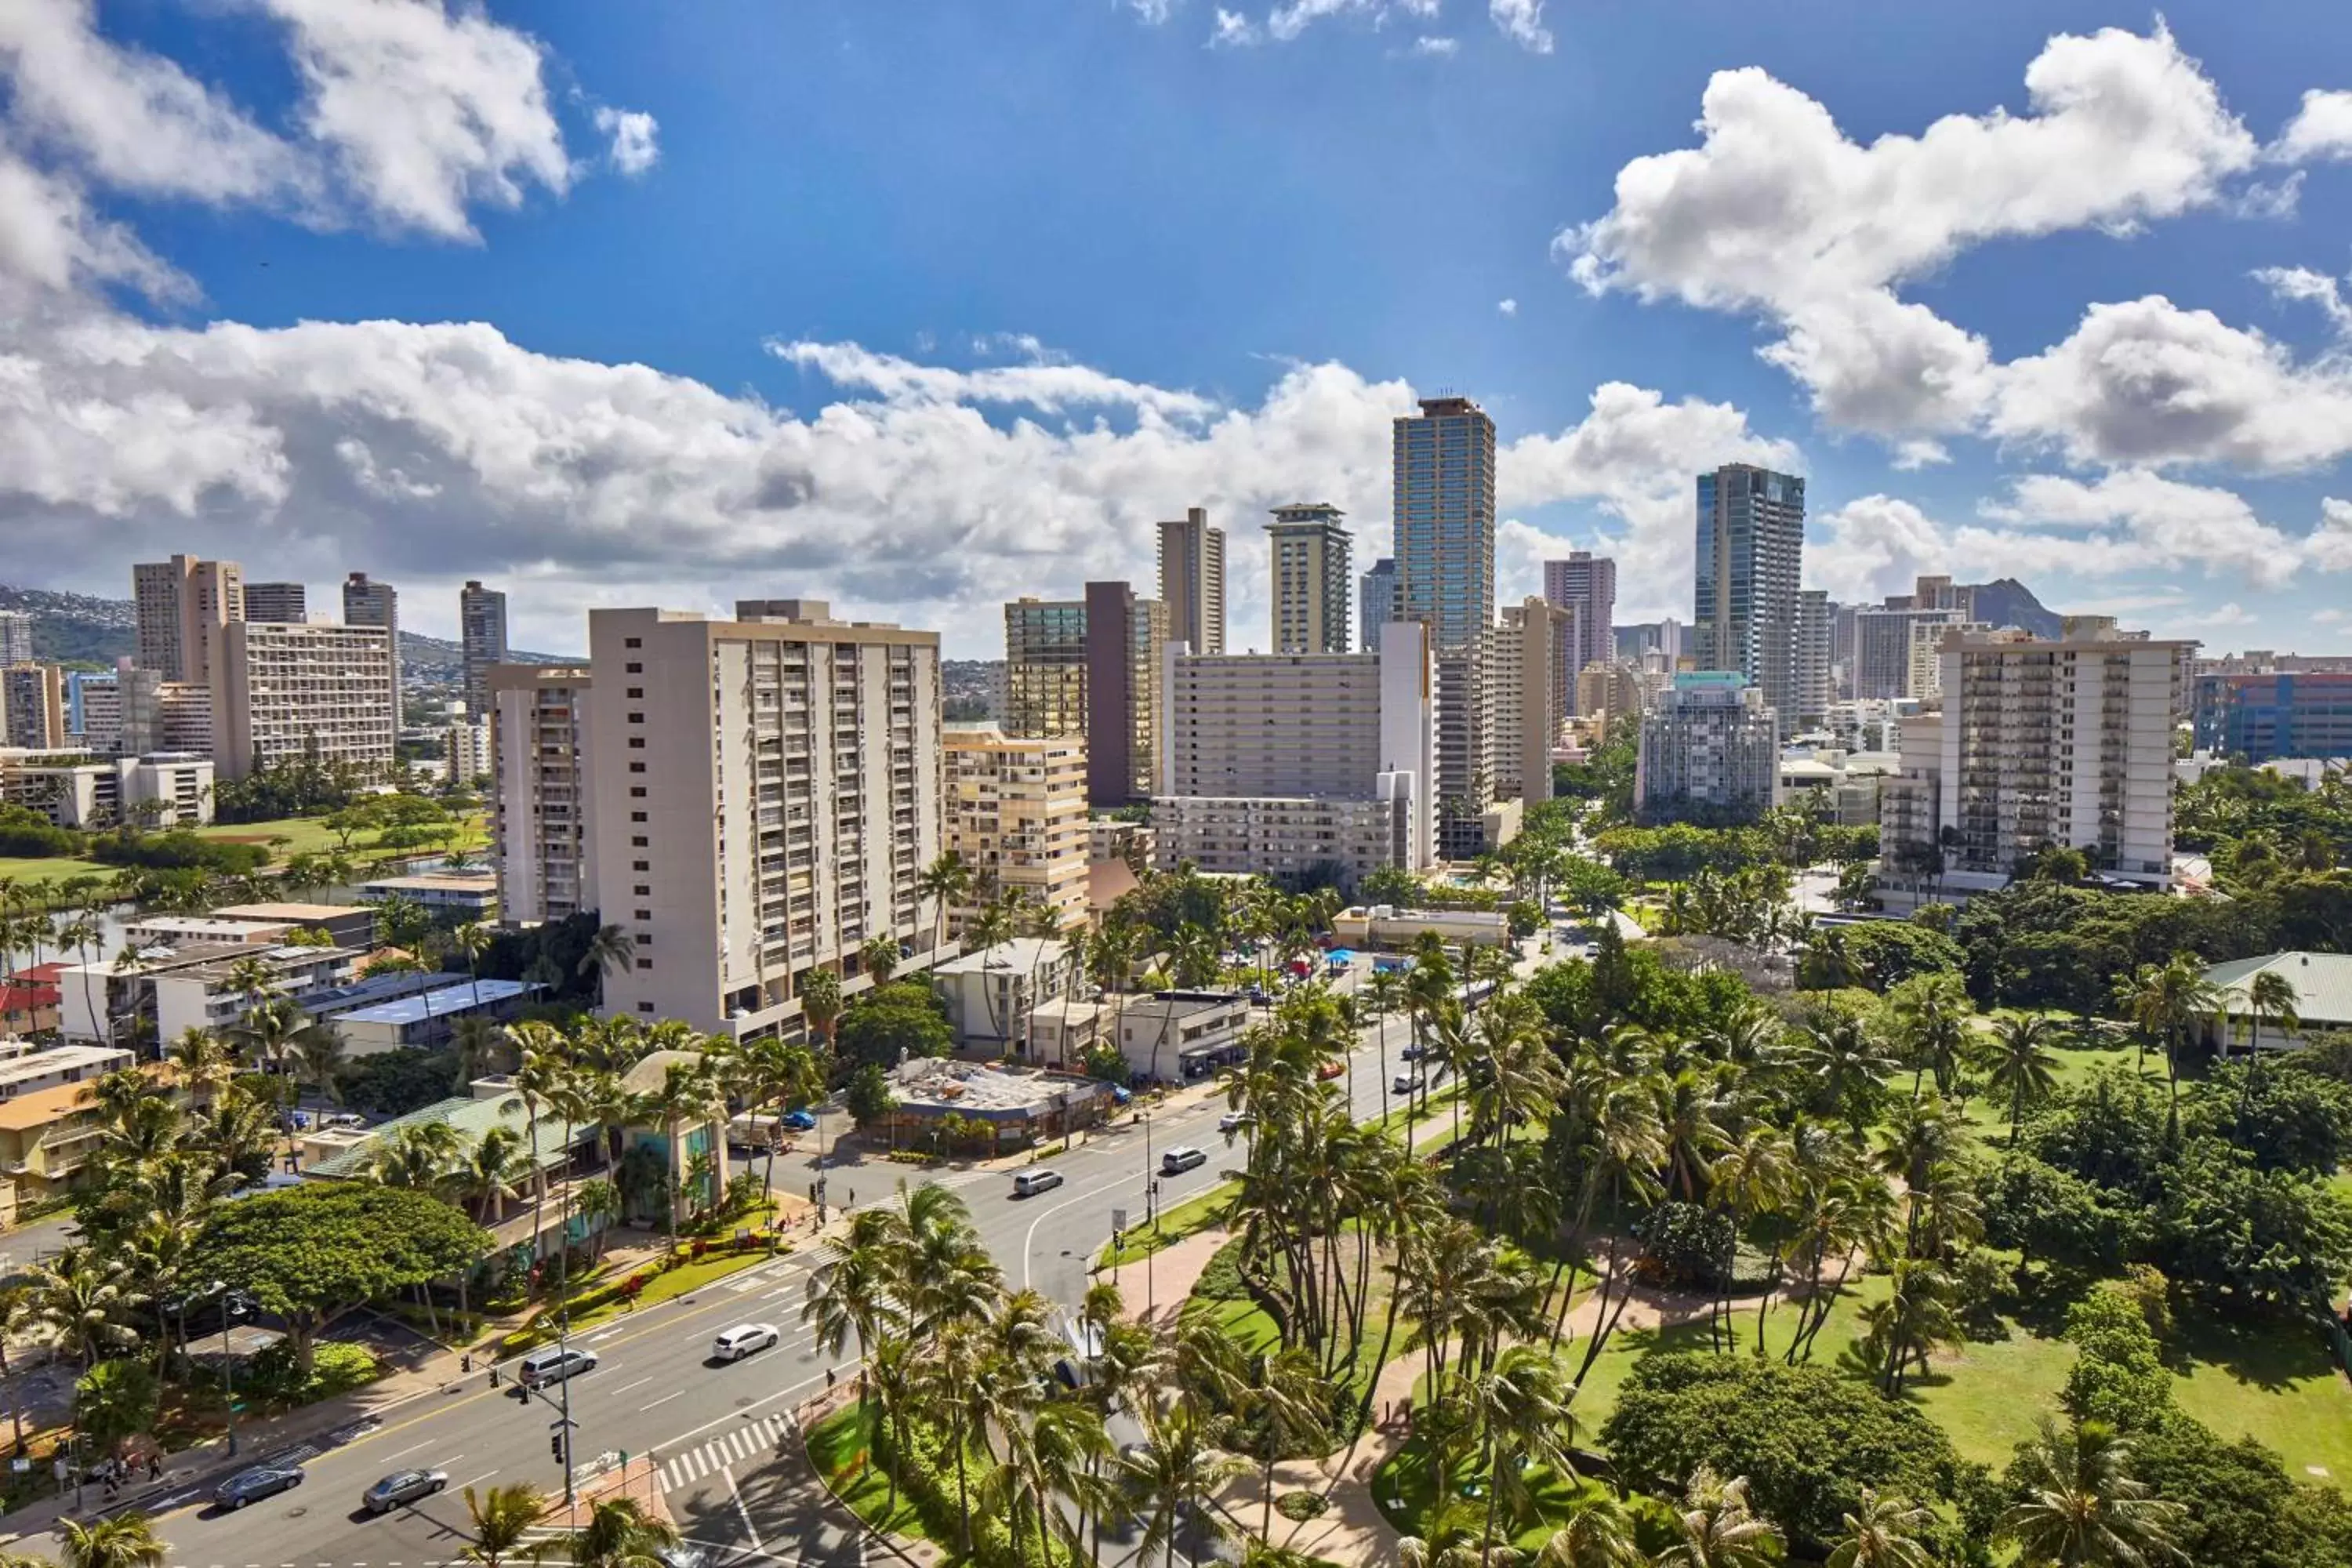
{"points": [[1880, 955], [894, 1021], [2240, 1506], [2119, 1375], [2286, 1118], [504, 1521], [126, 1541], [1807, 1439], [2048, 1214], [114, 1400], [313, 1253], [868, 1096], [2080, 1506]]}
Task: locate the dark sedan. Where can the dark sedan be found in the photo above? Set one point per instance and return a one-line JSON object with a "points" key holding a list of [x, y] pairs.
{"points": [[253, 1485]]}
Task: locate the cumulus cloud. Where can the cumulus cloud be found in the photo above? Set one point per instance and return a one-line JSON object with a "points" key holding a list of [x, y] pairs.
{"points": [[635, 148], [1873, 546], [2150, 520], [2311, 287], [2321, 128], [1232, 30], [1440, 47], [1521, 21], [1507, 307], [1779, 213]]}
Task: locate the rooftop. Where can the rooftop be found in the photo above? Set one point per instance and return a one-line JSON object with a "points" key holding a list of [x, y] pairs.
{"points": [[435, 882], [448, 999], [471, 1117], [2322, 982], [1022, 955], [59, 1058], [287, 912], [991, 1093]]}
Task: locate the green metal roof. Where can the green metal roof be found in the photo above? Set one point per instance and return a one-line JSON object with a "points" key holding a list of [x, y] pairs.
{"points": [[2322, 982], [471, 1117]]}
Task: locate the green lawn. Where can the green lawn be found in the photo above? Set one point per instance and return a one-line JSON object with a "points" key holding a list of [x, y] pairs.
{"points": [[311, 835], [29, 874], [1189, 1217], [839, 1446]]}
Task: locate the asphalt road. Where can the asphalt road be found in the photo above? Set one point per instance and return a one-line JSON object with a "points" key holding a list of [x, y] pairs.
{"points": [[715, 1432]]}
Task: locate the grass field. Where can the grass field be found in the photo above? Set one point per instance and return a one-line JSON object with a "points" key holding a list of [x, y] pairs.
{"points": [[311, 835], [31, 873]]}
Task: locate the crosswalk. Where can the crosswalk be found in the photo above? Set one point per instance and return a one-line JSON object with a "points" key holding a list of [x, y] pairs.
{"points": [[753, 1439]]}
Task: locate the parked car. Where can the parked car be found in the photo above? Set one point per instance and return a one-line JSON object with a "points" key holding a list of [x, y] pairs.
{"points": [[403, 1486], [1331, 1068], [1233, 1121], [1406, 1082], [735, 1343], [1028, 1184], [799, 1121], [258, 1482], [1180, 1158], [543, 1367]]}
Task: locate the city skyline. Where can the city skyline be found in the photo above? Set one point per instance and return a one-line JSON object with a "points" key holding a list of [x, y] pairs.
{"points": [[467, 362]]}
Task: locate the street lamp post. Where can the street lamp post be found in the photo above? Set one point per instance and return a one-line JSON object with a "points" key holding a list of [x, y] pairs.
{"points": [[229, 1303]]}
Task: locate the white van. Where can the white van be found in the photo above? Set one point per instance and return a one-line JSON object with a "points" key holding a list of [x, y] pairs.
{"points": [[1178, 1160], [543, 1367], [1029, 1182]]}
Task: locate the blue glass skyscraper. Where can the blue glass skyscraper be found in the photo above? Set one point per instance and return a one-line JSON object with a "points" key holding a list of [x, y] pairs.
{"points": [[1444, 510]]}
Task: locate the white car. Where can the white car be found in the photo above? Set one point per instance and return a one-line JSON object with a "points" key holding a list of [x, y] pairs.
{"points": [[1406, 1083], [740, 1340], [1029, 1182], [1233, 1121]]}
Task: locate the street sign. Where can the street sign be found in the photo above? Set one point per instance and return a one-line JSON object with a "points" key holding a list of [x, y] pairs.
{"points": [[1119, 1219]]}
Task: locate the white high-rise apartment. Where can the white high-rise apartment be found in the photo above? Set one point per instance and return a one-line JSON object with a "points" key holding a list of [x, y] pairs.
{"points": [[1585, 584], [766, 794], [159, 715], [15, 637], [482, 640], [1885, 665], [280, 692], [1017, 814], [1276, 764], [2039, 744], [539, 793], [1314, 578], [1193, 581], [181, 605], [1816, 672], [1710, 748], [371, 604]]}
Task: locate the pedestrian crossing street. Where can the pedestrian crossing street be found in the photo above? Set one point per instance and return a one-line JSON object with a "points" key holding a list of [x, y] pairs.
{"points": [[754, 1439]]}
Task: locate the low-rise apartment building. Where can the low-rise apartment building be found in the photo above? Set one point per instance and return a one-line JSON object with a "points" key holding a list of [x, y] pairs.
{"points": [[991, 991], [1182, 1036]]}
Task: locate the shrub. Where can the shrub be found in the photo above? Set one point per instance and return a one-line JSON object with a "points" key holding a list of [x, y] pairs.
{"points": [[397, 1081], [1221, 1279], [927, 1478], [1300, 1507], [337, 1367], [1687, 1246]]}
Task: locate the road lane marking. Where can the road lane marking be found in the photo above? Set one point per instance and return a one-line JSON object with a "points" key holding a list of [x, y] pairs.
{"points": [[410, 1450], [749, 1528], [639, 1383], [664, 1399], [485, 1476]]}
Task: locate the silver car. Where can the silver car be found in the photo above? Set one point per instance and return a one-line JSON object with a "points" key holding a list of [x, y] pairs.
{"points": [[403, 1486]]}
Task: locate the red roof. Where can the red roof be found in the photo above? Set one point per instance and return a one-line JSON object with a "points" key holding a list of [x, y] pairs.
{"points": [[43, 974], [29, 998]]}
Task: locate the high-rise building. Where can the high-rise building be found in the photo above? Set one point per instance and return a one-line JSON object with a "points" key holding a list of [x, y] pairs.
{"points": [[1314, 578], [370, 603], [1124, 636], [281, 692], [284, 602], [32, 700], [1376, 602], [766, 794], [1465, 776], [2275, 713], [1193, 581], [541, 800], [1443, 462], [1530, 689], [482, 639], [466, 749], [1663, 637], [1587, 585], [1282, 763], [181, 605], [1710, 748], [1752, 544], [1883, 643], [1608, 697], [1044, 668], [1816, 676], [2039, 744], [15, 637], [94, 709], [1016, 813], [159, 715]]}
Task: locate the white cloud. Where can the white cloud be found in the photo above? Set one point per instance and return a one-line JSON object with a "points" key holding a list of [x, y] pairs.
{"points": [[1440, 47], [2133, 518], [133, 119], [52, 243], [2147, 383], [1873, 546], [1233, 30], [1153, 11], [1521, 21], [2330, 545], [1507, 307], [423, 112], [2309, 287], [2231, 613], [634, 133], [1778, 213], [2321, 128]]}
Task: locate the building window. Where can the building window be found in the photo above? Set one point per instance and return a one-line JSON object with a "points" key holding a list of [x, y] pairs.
{"points": [[645, 1006], [636, 691], [636, 816], [644, 914], [644, 940], [634, 668], [643, 891], [643, 866], [637, 767], [640, 843], [633, 642], [636, 717], [637, 792]]}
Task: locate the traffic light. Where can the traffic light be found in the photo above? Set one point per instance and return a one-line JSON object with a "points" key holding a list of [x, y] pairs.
{"points": [[555, 1445]]}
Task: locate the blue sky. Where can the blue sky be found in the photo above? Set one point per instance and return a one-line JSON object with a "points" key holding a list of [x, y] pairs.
{"points": [[922, 305]]}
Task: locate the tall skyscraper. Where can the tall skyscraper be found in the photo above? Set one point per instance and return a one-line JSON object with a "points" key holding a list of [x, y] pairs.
{"points": [[32, 706], [1193, 581], [181, 604], [1816, 625], [1046, 668], [542, 808], [285, 603], [1586, 584], [765, 796], [1124, 636], [279, 692], [1752, 544], [1313, 578], [15, 637], [1444, 518], [1376, 603], [482, 636], [367, 604]]}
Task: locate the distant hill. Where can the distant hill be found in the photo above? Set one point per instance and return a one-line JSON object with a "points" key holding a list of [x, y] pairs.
{"points": [[2006, 602], [77, 628]]}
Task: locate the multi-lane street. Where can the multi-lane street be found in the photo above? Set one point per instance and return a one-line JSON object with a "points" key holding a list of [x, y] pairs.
{"points": [[715, 1433]]}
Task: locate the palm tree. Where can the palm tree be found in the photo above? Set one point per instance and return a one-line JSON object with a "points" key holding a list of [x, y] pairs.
{"points": [[1884, 1534], [608, 950], [1175, 1468], [503, 1521], [2083, 1508], [482, 1045], [83, 934], [1909, 1321], [880, 957], [2270, 997], [946, 881], [204, 1062], [318, 1056], [1719, 1529], [2168, 1003], [820, 1002], [473, 938], [1601, 1534], [598, 1204], [126, 1541], [76, 1301], [1520, 1407], [620, 1535], [487, 1175], [1931, 1015], [2018, 1066], [419, 1155]]}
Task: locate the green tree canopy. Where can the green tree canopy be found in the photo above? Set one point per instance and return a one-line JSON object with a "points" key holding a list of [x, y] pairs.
{"points": [[904, 1016]]}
